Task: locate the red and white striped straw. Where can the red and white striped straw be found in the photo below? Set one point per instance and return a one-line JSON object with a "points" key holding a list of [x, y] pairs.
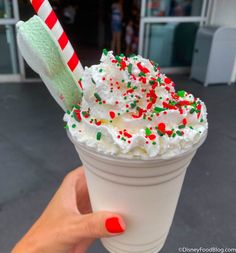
{"points": [[46, 13]]}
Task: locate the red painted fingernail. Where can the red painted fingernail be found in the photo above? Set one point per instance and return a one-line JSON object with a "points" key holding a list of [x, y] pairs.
{"points": [[113, 225]]}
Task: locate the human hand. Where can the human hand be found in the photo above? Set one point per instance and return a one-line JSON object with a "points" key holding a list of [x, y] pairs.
{"points": [[67, 224]]}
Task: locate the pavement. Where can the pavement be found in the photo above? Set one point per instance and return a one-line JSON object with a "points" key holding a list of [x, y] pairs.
{"points": [[35, 155]]}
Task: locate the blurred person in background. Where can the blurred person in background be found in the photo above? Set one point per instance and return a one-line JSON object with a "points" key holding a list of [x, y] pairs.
{"points": [[129, 33], [116, 26], [136, 19], [69, 13]]}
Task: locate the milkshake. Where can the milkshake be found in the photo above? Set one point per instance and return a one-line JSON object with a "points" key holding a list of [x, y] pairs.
{"points": [[135, 135]]}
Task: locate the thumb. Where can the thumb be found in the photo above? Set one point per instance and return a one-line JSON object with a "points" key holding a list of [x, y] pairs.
{"points": [[100, 224]]}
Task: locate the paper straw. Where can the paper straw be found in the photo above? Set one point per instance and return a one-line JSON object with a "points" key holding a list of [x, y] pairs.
{"points": [[46, 13]]}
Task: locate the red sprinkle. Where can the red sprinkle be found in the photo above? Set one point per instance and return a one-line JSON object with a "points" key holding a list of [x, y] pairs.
{"points": [[98, 123], [130, 91], [184, 121], [199, 107], [167, 88], [143, 79], [77, 112], [167, 80], [162, 127], [169, 132], [123, 65], [152, 137], [80, 84], [154, 86], [165, 105], [140, 113], [149, 106], [127, 135], [143, 69], [112, 114], [183, 103]]}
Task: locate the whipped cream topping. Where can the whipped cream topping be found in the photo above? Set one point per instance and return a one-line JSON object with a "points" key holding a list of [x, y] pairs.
{"points": [[130, 109]]}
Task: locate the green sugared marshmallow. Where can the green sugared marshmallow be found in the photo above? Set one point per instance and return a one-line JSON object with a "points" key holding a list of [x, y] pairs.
{"points": [[42, 53]]}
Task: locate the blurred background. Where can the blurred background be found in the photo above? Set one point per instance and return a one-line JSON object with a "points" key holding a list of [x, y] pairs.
{"points": [[194, 41]]}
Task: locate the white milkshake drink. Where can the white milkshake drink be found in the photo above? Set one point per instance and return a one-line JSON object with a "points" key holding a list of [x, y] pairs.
{"points": [[135, 136]]}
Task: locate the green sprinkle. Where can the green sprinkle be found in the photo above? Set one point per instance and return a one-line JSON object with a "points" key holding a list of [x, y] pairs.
{"points": [[179, 133], [127, 110], [173, 135], [105, 52], [100, 103], [192, 110], [68, 111], [130, 66], [125, 98], [152, 82], [159, 80], [159, 109], [141, 74], [118, 113], [97, 96], [129, 85], [148, 131], [160, 98], [73, 126], [190, 127], [154, 143], [172, 103], [181, 93], [181, 126], [77, 107], [160, 133], [93, 81], [135, 87], [118, 58], [122, 80], [66, 126], [194, 105], [133, 104], [100, 70], [99, 136], [201, 120]]}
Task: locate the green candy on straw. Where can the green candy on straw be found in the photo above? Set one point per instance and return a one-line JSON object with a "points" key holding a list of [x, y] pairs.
{"points": [[42, 53]]}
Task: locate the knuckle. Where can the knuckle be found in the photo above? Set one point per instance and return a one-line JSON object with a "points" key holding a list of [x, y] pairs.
{"points": [[95, 226]]}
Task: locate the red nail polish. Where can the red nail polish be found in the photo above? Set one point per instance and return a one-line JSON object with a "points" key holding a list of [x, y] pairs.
{"points": [[113, 225]]}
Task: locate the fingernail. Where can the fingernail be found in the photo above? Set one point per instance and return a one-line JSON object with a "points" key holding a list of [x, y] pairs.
{"points": [[113, 225]]}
